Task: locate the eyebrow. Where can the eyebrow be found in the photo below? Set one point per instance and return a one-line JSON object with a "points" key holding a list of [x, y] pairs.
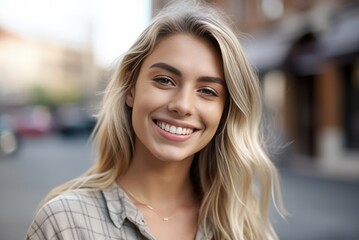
{"points": [[177, 72], [212, 80], [167, 67]]}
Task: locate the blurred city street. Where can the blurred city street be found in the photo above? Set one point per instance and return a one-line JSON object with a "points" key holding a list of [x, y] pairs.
{"points": [[54, 69], [26, 177], [319, 208]]}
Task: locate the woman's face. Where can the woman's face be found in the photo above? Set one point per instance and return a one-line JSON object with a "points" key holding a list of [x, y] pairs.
{"points": [[178, 99]]}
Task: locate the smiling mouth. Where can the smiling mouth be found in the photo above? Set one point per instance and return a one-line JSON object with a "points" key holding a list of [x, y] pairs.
{"points": [[173, 129]]}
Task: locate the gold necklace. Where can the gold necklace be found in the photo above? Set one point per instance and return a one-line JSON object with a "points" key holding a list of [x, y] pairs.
{"points": [[164, 219]]}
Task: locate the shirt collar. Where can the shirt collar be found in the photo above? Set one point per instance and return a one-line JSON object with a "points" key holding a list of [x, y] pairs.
{"points": [[121, 207]]}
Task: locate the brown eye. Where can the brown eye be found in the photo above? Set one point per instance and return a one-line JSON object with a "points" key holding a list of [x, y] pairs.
{"points": [[163, 80], [208, 91]]}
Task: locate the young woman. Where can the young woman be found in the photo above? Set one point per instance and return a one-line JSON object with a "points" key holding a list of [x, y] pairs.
{"points": [[180, 154]]}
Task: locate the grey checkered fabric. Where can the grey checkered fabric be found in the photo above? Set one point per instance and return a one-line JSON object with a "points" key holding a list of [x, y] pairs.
{"points": [[97, 215]]}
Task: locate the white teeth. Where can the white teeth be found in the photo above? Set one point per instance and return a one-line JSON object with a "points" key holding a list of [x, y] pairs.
{"points": [[173, 129], [179, 130]]}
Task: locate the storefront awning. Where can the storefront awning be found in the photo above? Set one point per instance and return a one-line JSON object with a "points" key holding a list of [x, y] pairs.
{"points": [[270, 49], [343, 36], [266, 50]]}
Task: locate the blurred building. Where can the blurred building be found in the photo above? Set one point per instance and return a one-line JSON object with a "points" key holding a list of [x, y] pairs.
{"points": [[44, 72], [307, 56]]}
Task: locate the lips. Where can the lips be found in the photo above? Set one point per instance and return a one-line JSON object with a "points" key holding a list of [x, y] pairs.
{"points": [[174, 129]]}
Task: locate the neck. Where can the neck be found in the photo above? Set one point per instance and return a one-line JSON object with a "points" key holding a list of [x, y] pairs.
{"points": [[159, 183]]}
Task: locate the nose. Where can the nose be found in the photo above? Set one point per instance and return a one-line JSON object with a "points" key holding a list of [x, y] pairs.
{"points": [[182, 103]]}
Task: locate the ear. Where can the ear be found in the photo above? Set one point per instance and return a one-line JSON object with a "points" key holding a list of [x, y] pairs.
{"points": [[130, 97]]}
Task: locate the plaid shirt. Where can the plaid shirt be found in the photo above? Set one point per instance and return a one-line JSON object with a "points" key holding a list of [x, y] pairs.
{"points": [[100, 214]]}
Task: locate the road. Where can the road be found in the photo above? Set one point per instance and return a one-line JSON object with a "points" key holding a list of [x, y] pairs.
{"points": [[319, 208], [25, 178]]}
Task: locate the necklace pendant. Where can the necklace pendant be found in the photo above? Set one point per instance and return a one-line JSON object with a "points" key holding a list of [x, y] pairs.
{"points": [[165, 219]]}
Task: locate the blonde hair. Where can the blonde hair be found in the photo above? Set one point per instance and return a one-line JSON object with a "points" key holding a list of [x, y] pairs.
{"points": [[233, 174]]}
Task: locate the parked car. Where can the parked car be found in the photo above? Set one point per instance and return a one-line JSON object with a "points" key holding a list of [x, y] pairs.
{"points": [[34, 121], [73, 120]]}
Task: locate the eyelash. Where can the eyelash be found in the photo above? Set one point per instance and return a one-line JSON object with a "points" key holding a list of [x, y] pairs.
{"points": [[163, 80], [208, 92], [166, 81]]}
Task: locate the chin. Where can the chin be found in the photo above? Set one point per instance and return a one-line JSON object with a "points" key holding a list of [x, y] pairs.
{"points": [[174, 158]]}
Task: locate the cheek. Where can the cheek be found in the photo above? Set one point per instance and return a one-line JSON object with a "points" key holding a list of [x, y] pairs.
{"points": [[146, 101], [142, 94], [213, 115]]}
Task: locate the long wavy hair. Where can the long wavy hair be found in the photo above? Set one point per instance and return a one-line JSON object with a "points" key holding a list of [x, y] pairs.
{"points": [[233, 175]]}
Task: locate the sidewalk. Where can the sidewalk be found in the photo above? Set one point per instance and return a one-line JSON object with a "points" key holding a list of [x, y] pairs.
{"points": [[310, 167], [320, 207]]}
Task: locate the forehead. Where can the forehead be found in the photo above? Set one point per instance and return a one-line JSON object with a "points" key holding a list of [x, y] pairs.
{"points": [[188, 52]]}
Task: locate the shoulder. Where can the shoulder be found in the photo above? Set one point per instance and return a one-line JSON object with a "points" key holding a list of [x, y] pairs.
{"points": [[74, 203], [68, 211]]}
